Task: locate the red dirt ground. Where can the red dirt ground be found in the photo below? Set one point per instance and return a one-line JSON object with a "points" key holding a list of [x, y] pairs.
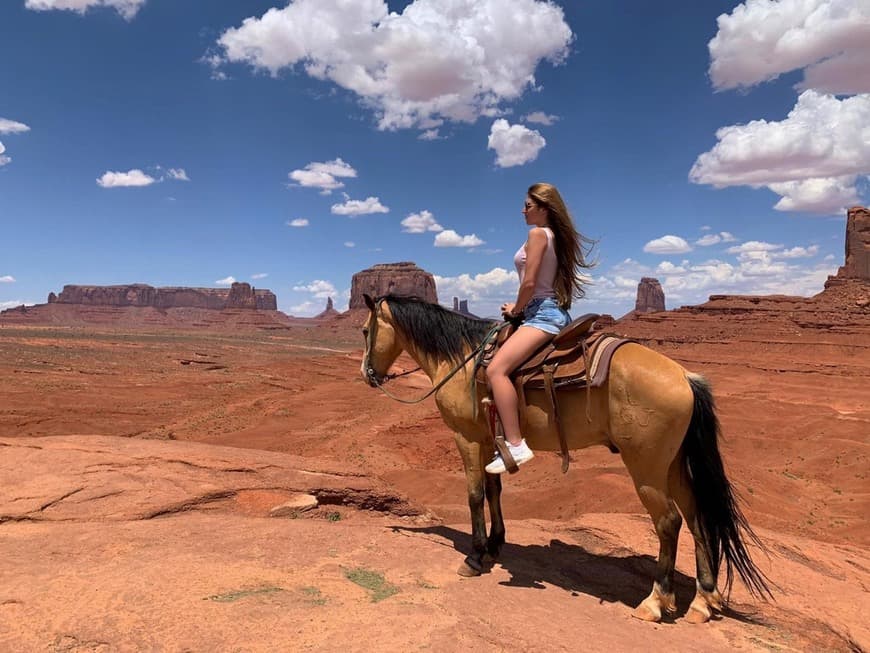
{"points": [[139, 468]]}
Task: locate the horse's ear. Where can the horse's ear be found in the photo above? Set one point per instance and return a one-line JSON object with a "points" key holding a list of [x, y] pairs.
{"points": [[369, 301]]}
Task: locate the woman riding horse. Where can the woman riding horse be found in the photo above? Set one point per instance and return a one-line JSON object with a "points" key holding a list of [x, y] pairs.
{"points": [[659, 416]]}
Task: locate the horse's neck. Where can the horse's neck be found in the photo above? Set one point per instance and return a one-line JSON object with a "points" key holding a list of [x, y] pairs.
{"points": [[436, 368]]}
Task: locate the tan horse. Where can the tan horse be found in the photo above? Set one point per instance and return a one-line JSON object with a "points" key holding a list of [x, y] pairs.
{"points": [[658, 415]]}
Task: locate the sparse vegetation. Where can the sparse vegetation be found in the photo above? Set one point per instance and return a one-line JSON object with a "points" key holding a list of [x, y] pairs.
{"points": [[373, 581], [229, 597]]}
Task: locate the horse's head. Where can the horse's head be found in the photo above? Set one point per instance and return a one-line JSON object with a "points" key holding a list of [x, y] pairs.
{"points": [[382, 345]]}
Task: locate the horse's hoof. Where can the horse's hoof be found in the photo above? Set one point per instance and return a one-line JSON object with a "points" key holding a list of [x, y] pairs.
{"points": [[467, 571], [645, 613], [697, 616]]}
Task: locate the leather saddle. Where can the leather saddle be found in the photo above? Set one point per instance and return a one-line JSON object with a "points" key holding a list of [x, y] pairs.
{"points": [[576, 357]]}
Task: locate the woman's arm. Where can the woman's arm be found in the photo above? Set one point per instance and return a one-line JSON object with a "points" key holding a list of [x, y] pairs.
{"points": [[536, 245]]}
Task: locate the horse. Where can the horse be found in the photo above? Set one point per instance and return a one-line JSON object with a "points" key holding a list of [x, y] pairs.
{"points": [[659, 416]]}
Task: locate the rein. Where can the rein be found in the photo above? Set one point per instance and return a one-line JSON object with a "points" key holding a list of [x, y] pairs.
{"points": [[478, 352]]}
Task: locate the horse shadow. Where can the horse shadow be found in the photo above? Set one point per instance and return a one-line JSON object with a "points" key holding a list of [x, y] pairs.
{"points": [[617, 576]]}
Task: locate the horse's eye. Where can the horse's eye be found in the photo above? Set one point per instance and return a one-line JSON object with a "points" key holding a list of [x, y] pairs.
{"points": [[365, 332]]}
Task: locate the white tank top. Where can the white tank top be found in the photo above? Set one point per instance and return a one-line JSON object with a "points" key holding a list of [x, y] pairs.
{"points": [[547, 271]]}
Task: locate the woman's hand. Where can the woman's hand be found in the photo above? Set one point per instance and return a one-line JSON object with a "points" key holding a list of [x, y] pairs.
{"points": [[507, 310]]}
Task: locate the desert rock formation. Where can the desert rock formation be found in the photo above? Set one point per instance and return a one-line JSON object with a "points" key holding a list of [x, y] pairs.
{"points": [[857, 264], [650, 296], [239, 295], [329, 311], [403, 278]]}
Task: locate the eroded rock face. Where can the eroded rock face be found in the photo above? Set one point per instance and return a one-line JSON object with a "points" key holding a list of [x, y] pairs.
{"points": [[392, 279], [329, 311], [857, 265], [239, 295], [650, 296]]}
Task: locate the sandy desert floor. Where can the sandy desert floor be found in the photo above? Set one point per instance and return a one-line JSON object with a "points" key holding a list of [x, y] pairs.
{"points": [[139, 470]]}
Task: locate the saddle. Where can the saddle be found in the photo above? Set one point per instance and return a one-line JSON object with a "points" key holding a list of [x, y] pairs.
{"points": [[577, 357]]}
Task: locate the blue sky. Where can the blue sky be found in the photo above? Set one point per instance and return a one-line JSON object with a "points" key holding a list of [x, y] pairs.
{"points": [[713, 145]]}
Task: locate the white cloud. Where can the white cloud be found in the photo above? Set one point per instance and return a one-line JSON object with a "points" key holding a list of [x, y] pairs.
{"points": [[7, 279], [12, 127], [812, 158], [514, 145], [133, 177], [298, 222], [762, 39], [711, 239], [451, 60], [319, 288], [323, 175], [486, 291], [178, 174], [418, 223], [826, 196], [260, 275], [753, 246], [11, 304], [306, 309], [127, 8], [541, 118], [798, 252], [349, 243], [667, 245], [450, 238], [359, 207], [666, 267], [226, 281], [4, 159], [429, 135]]}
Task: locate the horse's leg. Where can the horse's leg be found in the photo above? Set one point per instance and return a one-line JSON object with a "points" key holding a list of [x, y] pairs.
{"points": [[495, 541], [471, 460], [667, 523], [707, 597]]}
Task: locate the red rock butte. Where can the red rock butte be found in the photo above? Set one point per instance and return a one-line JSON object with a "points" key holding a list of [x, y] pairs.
{"points": [[403, 278]]}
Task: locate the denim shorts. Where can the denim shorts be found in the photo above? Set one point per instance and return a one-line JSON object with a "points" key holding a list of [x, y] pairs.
{"points": [[545, 314]]}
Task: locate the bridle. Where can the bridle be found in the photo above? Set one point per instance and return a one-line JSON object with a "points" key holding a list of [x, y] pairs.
{"points": [[378, 381]]}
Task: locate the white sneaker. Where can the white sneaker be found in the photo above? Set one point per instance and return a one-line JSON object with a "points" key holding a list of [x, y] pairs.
{"points": [[520, 452]]}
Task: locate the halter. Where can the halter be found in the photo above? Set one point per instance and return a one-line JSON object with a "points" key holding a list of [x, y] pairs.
{"points": [[378, 381]]}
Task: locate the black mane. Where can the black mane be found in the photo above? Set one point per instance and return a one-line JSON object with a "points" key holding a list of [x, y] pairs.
{"points": [[435, 330]]}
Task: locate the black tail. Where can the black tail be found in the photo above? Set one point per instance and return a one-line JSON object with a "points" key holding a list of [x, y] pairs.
{"points": [[719, 515]]}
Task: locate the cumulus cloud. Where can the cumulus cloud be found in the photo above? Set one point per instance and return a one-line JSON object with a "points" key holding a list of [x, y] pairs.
{"points": [[762, 39], [667, 245], [319, 288], [226, 281], [429, 135], [824, 196], [4, 159], [7, 279], [134, 177], [127, 8], [359, 207], [297, 222], [712, 239], [418, 223], [260, 275], [323, 175], [12, 127], [514, 145], [486, 291], [812, 158], [541, 118], [450, 238], [437, 60]]}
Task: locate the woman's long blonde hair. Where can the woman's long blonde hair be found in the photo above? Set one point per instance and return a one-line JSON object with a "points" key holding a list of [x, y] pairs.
{"points": [[571, 246]]}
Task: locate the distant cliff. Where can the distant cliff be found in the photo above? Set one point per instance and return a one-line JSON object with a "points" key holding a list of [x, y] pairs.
{"points": [[239, 295]]}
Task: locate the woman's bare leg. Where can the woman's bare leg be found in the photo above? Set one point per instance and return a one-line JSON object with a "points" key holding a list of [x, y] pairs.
{"points": [[512, 352]]}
